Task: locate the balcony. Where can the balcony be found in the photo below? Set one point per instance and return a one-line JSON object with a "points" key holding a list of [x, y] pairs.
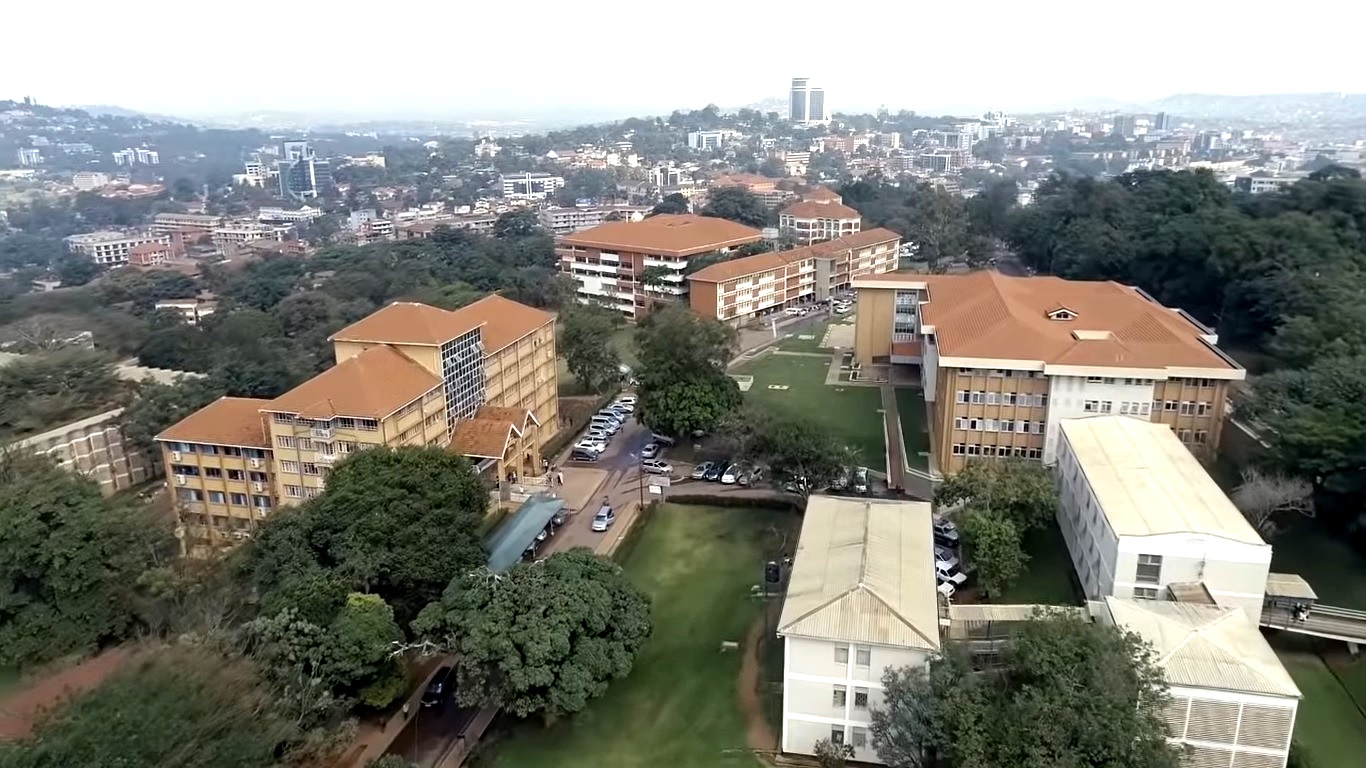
{"points": [[321, 433], [326, 459]]}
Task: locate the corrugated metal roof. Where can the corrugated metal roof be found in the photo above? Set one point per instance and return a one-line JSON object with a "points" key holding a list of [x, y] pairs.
{"points": [[1289, 585], [984, 620], [1148, 483], [1202, 646], [863, 573], [511, 539]]}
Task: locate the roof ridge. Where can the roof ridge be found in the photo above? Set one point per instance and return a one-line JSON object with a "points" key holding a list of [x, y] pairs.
{"points": [[892, 610]]}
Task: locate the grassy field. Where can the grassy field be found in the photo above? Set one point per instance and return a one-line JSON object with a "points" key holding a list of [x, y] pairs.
{"points": [[1330, 565], [623, 341], [850, 414], [813, 344], [910, 407], [678, 708], [1329, 727], [1049, 580], [9, 678]]}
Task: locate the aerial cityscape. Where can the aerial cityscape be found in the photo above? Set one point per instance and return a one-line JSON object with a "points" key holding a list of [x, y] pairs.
{"points": [[834, 426]]}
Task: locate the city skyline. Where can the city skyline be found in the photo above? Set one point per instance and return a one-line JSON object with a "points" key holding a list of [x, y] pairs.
{"points": [[1016, 66]]}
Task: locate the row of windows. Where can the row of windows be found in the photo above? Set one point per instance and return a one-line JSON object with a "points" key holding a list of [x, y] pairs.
{"points": [[1002, 398], [863, 655], [997, 451], [1001, 373], [1126, 408], [217, 521], [218, 497], [1001, 425], [219, 450], [294, 467], [841, 697], [858, 737], [337, 422], [214, 473], [1197, 437], [1194, 382], [1125, 381], [301, 492]]}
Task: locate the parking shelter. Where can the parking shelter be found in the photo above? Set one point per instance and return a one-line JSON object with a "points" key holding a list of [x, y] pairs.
{"points": [[510, 539]]}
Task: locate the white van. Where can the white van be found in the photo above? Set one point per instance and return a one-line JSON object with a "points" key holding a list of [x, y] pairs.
{"points": [[605, 422]]}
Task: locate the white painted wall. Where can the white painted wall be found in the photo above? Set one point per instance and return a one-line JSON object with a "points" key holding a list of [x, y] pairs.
{"points": [[1067, 396]]}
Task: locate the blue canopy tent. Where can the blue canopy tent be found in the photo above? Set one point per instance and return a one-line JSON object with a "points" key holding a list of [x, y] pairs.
{"points": [[509, 540]]}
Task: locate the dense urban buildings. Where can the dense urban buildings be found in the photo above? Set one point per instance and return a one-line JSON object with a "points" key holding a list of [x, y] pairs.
{"points": [[629, 265], [1004, 360], [111, 248], [749, 286], [480, 380]]}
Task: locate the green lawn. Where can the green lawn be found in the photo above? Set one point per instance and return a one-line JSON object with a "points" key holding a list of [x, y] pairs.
{"points": [[1330, 565], [1049, 580], [678, 708], [910, 407], [813, 344], [1329, 727], [850, 414], [9, 678]]}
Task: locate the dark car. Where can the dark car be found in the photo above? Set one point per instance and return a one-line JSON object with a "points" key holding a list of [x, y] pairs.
{"points": [[718, 468], [441, 689]]}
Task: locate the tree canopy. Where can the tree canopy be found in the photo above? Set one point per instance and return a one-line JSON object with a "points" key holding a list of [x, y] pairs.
{"points": [[998, 502], [585, 343], [1070, 693], [543, 638], [683, 382], [794, 449], [738, 205]]}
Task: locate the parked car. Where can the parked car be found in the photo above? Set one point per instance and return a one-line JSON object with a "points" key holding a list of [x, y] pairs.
{"points": [[945, 532], [949, 576], [718, 468], [861, 480], [662, 439], [591, 444], [582, 454], [603, 519], [755, 474], [650, 451], [619, 418], [745, 478], [441, 688], [795, 311], [700, 471], [946, 589], [944, 553], [560, 518], [544, 534], [946, 563], [596, 433], [732, 474], [626, 398], [841, 481], [605, 423], [655, 467], [623, 407]]}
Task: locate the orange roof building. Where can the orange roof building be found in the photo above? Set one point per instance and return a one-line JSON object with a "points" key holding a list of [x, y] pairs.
{"points": [[819, 215], [609, 262], [481, 381], [1004, 359]]}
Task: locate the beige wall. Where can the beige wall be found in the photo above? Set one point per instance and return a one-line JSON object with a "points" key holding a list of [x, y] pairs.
{"points": [[94, 447], [873, 324], [216, 521], [428, 357]]}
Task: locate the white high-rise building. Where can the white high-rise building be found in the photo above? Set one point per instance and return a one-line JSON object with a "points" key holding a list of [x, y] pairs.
{"points": [[807, 103]]}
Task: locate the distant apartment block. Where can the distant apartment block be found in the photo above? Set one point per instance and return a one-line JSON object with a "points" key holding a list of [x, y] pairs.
{"points": [[1142, 517], [136, 156], [88, 181], [165, 223], [480, 381], [287, 215], [821, 215], [762, 187], [149, 255], [705, 140], [942, 160], [750, 286], [1004, 360], [302, 175], [228, 238], [563, 221], [669, 175], [192, 311], [1261, 183], [109, 248], [29, 157], [530, 186], [806, 103], [630, 266], [94, 447]]}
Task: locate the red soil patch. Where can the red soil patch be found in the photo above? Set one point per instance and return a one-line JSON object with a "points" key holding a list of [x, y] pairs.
{"points": [[759, 734], [22, 708]]}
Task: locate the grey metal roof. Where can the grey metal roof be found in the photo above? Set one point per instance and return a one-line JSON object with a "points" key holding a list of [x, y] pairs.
{"points": [[1203, 646], [1289, 585], [510, 540], [863, 573]]}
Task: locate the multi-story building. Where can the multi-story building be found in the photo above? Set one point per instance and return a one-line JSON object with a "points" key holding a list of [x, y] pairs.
{"points": [[632, 265], [165, 223], [762, 187], [530, 186], [1263, 182], [860, 598], [228, 239], [302, 175], [1140, 514], [806, 103], [150, 254], [705, 140], [745, 287], [147, 156], [480, 381], [942, 160], [821, 215], [1232, 703], [86, 181], [562, 221], [95, 448], [29, 156], [669, 175], [110, 248], [1003, 360], [288, 216], [192, 310], [1123, 125]]}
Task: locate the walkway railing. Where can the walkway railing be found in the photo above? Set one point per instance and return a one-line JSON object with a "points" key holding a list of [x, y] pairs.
{"points": [[1321, 621]]}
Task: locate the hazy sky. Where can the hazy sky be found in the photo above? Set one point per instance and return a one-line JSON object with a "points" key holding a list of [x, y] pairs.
{"points": [[423, 58]]}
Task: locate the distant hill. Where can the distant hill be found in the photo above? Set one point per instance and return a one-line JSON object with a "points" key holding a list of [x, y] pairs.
{"points": [[1287, 107], [114, 111]]}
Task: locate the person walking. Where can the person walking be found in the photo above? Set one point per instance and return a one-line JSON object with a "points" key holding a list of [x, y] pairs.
{"points": [[559, 478]]}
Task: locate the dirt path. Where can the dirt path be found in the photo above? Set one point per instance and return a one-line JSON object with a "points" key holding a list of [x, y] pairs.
{"points": [[759, 734], [26, 704]]}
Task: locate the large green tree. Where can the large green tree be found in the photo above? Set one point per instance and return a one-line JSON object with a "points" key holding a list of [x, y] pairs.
{"points": [[683, 382], [1071, 694], [997, 503], [585, 343], [738, 205], [70, 561], [157, 406], [543, 638], [45, 390], [794, 448]]}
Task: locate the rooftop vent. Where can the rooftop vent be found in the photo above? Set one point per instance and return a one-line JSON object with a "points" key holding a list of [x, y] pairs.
{"points": [[1091, 335]]}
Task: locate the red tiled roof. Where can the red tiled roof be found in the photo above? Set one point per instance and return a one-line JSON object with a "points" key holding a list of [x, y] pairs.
{"points": [[373, 384], [763, 262], [225, 421], [673, 235], [501, 321], [810, 209]]}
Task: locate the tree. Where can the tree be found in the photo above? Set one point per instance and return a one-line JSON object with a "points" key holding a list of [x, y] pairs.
{"points": [[994, 546], [1023, 492], [831, 755], [180, 705], [773, 168], [672, 203], [793, 447], [543, 638], [74, 269], [157, 406], [738, 205], [363, 636], [397, 523], [69, 561], [519, 223], [1070, 693], [585, 343], [41, 391], [683, 382], [1265, 497]]}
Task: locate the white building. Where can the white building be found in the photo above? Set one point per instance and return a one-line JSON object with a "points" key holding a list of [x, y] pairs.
{"points": [[530, 186], [109, 247], [806, 103], [147, 156], [124, 157], [1232, 705], [190, 310], [669, 175], [288, 215], [563, 221], [87, 181], [1141, 516], [705, 140], [861, 597], [29, 157]]}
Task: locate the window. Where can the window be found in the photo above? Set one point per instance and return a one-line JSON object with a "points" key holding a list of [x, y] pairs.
{"points": [[294, 491], [309, 468], [1184, 435], [1095, 379], [839, 696], [1170, 405], [1091, 406], [1124, 409], [1145, 409], [978, 397], [1201, 409], [213, 472], [1187, 408], [1201, 436], [863, 657], [217, 497], [993, 398], [292, 467], [962, 395], [257, 477], [841, 654], [1149, 569], [305, 444], [239, 499], [260, 502], [285, 441], [1106, 406], [1145, 593], [960, 423], [836, 734], [860, 737], [989, 425], [958, 449], [236, 474], [860, 698]]}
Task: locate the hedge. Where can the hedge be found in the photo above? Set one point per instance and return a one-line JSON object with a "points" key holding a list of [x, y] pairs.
{"points": [[780, 503], [565, 437]]}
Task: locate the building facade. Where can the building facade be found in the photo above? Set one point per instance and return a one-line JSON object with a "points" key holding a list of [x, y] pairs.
{"points": [[822, 215], [1004, 359], [750, 286], [860, 598], [806, 103], [110, 248], [302, 175], [563, 221], [95, 448], [530, 186], [166, 223], [480, 381], [1139, 514], [634, 265]]}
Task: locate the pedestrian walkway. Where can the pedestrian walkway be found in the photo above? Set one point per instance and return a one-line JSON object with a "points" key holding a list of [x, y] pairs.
{"points": [[896, 445]]}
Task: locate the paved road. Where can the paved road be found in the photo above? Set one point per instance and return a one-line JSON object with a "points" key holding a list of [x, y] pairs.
{"points": [[620, 486], [428, 735]]}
